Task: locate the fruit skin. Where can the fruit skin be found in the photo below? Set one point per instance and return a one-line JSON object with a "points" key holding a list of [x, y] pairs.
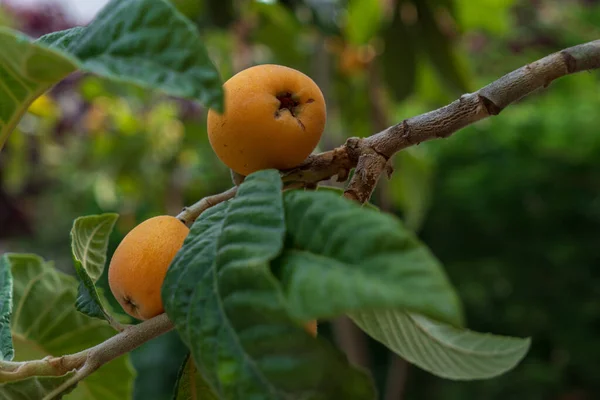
{"points": [[257, 131], [139, 265]]}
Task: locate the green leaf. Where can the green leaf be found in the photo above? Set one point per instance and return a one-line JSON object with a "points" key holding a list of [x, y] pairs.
{"points": [[61, 40], [491, 16], [399, 60], [7, 351], [362, 20], [147, 43], [88, 300], [44, 322], [89, 243], [191, 385], [340, 192], [27, 70], [235, 319], [343, 258], [443, 350], [32, 388], [440, 49], [411, 186]]}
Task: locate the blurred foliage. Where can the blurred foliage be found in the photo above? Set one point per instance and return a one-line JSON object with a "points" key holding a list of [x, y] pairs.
{"points": [[510, 205]]}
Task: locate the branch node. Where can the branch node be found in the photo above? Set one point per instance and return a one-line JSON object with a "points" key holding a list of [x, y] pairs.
{"points": [[353, 143], [405, 129], [342, 175], [570, 61], [389, 169], [490, 106]]}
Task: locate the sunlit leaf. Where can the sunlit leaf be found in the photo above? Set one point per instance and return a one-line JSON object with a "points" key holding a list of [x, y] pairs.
{"points": [[44, 322], [148, 43], [89, 243], [27, 70]]}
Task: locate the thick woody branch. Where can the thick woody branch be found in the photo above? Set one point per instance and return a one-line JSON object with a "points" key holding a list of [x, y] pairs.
{"points": [[441, 123]]}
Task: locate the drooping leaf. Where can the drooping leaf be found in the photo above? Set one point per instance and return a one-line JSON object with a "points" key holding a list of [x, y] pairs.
{"points": [[440, 48], [32, 388], [44, 322], [190, 384], [343, 258], [27, 70], [235, 319], [399, 58], [443, 350], [147, 43], [89, 243], [6, 287]]}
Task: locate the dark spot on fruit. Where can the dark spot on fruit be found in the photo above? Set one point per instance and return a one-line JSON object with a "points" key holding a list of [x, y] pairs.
{"points": [[310, 101], [301, 124]]}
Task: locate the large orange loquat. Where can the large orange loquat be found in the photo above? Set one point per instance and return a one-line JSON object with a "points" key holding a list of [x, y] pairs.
{"points": [[140, 262], [274, 118]]}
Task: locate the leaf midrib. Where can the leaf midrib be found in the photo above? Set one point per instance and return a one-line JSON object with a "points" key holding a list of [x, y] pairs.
{"points": [[88, 245], [231, 330]]}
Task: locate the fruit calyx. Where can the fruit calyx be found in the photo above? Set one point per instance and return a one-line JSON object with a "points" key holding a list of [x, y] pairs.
{"points": [[287, 101]]}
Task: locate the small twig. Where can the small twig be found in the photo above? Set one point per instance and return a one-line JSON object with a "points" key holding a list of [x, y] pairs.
{"points": [[189, 214], [116, 325]]}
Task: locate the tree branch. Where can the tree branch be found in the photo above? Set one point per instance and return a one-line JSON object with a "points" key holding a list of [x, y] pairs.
{"points": [[189, 214], [370, 155], [88, 361]]}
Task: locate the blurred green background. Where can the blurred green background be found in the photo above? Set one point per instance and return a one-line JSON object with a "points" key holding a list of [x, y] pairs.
{"points": [[511, 205]]}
